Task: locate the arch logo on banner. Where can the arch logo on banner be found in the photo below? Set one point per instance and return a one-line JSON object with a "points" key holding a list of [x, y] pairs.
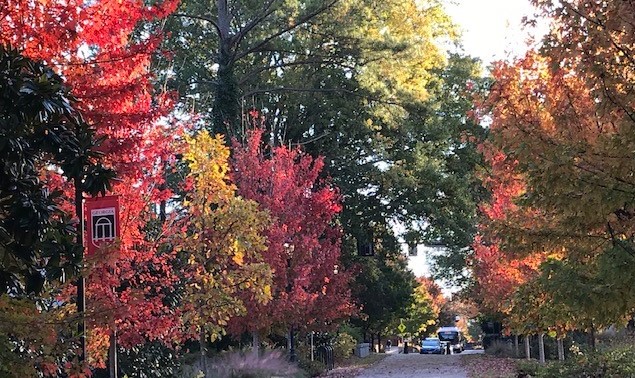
{"points": [[102, 227]]}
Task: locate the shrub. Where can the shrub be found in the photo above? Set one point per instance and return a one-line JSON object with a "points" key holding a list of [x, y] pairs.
{"points": [[527, 368], [617, 362], [247, 365], [312, 368], [356, 332], [151, 358], [567, 369], [343, 346], [501, 348]]}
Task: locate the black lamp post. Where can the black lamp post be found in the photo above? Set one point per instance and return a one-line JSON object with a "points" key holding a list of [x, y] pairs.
{"points": [[289, 250], [81, 281]]}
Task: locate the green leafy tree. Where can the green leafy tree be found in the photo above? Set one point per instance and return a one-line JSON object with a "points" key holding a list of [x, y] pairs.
{"points": [[432, 187], [363, 84], [40, 132], [422, 316], [223, 50], [384, 288]]}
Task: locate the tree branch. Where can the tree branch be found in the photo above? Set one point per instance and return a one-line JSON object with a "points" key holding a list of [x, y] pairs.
{"points": [[318, 90], [617, 242], [267, 10], [288, 64], [303, 20], [201, 18]]}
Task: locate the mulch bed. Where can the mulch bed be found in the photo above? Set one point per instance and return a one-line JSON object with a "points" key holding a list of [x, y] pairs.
{"points": [[485, 366], [353, 366]]}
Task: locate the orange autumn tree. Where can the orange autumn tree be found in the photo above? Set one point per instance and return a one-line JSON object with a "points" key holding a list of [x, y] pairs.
{"points": [[566, 114], [508, 279], [434, 293], [499, 273], [104, 49], [518, 234], [579, 157], [564, 117]]}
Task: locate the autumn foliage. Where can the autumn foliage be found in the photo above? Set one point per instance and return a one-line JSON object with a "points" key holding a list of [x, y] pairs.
{"points": [[221, 240], [499, 273], [106, 65], [561, 213], [214, 239], [310, 286]]}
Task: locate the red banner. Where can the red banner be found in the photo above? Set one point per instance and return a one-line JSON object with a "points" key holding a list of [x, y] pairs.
{"points": [[102, 222]]}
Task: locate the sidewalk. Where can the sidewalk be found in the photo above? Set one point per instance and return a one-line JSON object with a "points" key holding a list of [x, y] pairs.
{"points": [[414, 365], [393, 350]]}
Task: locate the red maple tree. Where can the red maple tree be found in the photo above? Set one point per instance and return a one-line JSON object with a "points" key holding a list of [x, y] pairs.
{"points": [[498, 273], [104, 54], [303, 249]]}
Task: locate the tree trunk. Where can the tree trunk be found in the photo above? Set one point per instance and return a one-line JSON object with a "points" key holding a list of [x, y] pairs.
{"points": [[592, 337], [516, 351], [203, 345], [255, 344], [541, 347], [379, 350], [292, 356], [289, 341], [224, 19], [527, 348], [162, 211], [372, 341], [81, 280], [225, 109], [560, 349]]}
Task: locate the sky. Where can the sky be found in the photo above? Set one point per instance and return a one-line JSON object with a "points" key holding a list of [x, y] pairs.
{"points": [[492, 30]]}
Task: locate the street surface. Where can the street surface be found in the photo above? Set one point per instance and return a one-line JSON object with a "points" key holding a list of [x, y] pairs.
{"points": [[415, 365]]}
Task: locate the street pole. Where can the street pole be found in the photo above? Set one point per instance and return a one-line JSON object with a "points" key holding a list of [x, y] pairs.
{"points": [[112, 357], [81, 281], [289, 250]]}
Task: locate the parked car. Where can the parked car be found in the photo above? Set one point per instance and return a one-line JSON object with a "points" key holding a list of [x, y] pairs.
{"points": [[431, 345]]}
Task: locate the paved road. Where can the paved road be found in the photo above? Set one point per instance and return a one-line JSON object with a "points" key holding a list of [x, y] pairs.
{"points": [[414, 365]]}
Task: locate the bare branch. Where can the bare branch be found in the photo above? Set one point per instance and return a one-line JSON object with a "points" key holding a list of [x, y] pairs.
{"points": [[201, 18], [301, 21], [289, 64], [267, 10], [319, 90]]}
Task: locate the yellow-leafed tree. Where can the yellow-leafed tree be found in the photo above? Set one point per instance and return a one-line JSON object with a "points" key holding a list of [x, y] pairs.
{"points": [[221, 240]]}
